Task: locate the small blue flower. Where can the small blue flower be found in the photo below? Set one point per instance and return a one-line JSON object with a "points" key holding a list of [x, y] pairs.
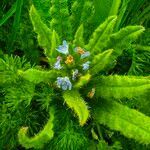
{"points": [[63, 48], [86, 65], [64, 83], [57, 65], [75, 74], [86, 54]]}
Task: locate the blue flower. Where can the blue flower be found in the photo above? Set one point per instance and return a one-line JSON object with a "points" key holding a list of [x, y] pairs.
{"points": [[74, 75], [86, 54], [64, 83], [86, 65], [63, 48], [57, 65]]}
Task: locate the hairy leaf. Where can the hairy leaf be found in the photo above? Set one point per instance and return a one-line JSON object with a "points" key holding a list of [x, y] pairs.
{"points": [[37, 76], [122, 39], [101, 61], [54, 43], [41, 138], [78, 39], [129, 122], [125, 36], [83, 81], [43, 32], [121, 86], [101, 35], [77, 104]]}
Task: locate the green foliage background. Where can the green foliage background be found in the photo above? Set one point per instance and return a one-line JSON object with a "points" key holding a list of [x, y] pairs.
{"points": [[24, 103]]}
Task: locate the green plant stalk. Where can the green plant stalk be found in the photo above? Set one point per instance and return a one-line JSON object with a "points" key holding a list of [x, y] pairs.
{"points": [[115, 7]]}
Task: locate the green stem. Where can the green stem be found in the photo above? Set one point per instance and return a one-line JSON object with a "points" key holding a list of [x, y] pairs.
{"points": [[115, 7], [99, 131]]}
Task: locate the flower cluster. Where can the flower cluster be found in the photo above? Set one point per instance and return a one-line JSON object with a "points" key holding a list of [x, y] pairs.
{"points": [[75, 59], [64, 83], [86, 65]]}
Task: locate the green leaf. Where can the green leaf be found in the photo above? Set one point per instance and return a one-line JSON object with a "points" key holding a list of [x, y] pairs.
{"points": [[60, 19], [43, 8], [122, 40], [83, 81], [129, 122], [39, 139], [102, 145], [101, 61], [77, 104], [121, 14], [121, 86], [87, 18], [54, 43], [115, 7], [78, 39], [43, 32], [101, 35], [139, 47], [75, 17], [125, 36], [37, 76]]}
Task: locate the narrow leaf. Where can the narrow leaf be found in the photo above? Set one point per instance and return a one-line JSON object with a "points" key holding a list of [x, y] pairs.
{"points": [[101, 61], [39, 139], [121, 86], [54, 44], [101, 35], [129, 122], [83, 81], [43, 32], [78, 39], [77, 104], [37, 76], [122, 40], [124, 36]]}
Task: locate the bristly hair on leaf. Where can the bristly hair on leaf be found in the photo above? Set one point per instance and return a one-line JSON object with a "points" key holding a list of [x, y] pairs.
{"points": [[78, 82]]}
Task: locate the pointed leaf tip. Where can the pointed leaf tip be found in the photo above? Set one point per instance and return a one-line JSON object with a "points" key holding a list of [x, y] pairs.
{"points": [[77, 104]]}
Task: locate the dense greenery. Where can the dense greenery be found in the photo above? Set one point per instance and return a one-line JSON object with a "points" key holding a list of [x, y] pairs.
{"points": [[75, 75]]}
